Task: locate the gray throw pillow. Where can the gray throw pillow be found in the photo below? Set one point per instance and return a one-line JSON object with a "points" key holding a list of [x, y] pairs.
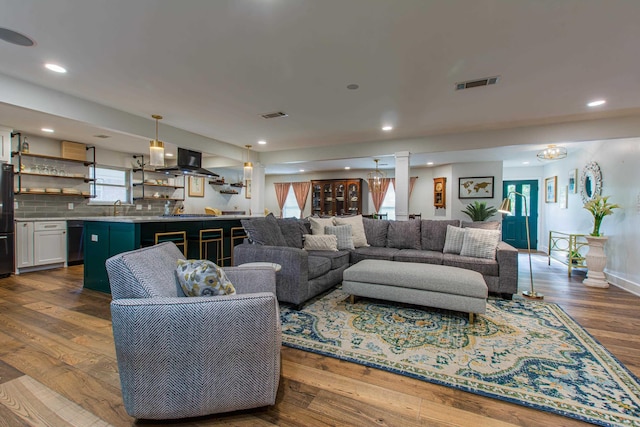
{"points": [[404, 234], [454, 240], [343, 235], [434, 232], [376, 231], [264, 231], [293, 231], [479, 243]]}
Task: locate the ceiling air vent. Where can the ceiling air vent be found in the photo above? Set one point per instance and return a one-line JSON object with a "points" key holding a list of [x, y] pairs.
{"points": [[274, 115], [101, 136], [477, 83]]}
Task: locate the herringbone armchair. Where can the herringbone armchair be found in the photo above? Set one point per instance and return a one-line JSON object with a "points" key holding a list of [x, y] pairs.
{"points": [[191, 356]]}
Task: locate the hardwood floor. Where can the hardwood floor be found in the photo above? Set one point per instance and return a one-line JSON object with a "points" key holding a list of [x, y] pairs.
{"points": [[58, 366]]}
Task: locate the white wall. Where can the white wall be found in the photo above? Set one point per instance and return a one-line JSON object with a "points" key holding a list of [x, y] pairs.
{"points": [[618, 161]]}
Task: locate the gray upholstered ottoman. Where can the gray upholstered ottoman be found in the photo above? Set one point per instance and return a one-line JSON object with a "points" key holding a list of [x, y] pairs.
{"points": [[430, 285]]}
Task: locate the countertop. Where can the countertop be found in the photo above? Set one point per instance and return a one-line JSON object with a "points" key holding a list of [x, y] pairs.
{"points": [[138, 219]]}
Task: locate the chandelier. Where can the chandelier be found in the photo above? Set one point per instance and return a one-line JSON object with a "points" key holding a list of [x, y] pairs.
{"points": [[156, 147], [375, 179], [552, 152]]}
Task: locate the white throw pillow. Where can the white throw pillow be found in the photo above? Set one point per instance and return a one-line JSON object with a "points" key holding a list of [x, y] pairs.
{"points": [[453, 241], [357, 229], [320, 242], [318, 224], [343, 235], [480, 243]]}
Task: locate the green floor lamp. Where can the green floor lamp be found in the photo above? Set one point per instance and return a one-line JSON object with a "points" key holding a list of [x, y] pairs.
{"points": [[505, 207]]}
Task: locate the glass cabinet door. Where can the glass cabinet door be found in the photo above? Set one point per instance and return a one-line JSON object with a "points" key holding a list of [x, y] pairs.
{"points": [[353, 198], [340, 192], [316, 199], [327, 192]]}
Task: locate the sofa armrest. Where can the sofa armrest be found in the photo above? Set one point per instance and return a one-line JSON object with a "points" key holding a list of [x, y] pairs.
{"points": [[250, 280], [221, 352], [507, 257], [292, 280]]}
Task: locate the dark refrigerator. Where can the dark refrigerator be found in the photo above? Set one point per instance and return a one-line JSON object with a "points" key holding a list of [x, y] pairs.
{"points": [[6, 220]]}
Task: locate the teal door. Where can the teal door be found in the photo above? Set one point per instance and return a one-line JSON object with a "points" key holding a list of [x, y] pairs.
{"points": [[514, 225]]}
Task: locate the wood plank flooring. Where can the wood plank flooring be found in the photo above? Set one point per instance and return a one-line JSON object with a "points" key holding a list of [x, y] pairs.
{"points": [[58, 366]]}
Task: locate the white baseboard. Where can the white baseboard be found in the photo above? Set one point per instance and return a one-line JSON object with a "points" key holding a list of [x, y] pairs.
{"points": [[625, 284]]}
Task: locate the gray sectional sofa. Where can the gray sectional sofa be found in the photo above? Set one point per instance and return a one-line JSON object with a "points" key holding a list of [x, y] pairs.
{"points": [[307, 273]]}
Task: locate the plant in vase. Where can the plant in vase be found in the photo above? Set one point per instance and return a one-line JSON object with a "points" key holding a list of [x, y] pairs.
{"points": [[599, 208], [479, 211]]}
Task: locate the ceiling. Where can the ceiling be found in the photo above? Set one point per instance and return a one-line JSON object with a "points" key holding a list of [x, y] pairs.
{"points": [[212, 68]]}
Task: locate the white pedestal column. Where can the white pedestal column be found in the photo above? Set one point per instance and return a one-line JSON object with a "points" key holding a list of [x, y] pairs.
{"points": [[402, 185], [596, 262]]}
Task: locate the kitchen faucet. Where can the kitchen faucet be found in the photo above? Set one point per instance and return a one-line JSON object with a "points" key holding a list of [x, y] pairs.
{"points": [[115, 207]]}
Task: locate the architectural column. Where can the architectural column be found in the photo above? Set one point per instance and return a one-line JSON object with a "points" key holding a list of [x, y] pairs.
{"points": [[257, 190], [402, 185]]}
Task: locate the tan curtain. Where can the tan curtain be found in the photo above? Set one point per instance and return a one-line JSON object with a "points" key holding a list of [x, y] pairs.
{"points": [[282, 189], [412, 182], [378, 196], [301, 190]]}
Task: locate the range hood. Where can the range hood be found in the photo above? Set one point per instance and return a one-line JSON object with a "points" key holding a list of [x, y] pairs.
{"points": [[189, 163]]}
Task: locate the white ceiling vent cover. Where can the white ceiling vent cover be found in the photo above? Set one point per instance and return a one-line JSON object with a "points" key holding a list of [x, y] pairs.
{"points": [[477, 83], [274, 115]]}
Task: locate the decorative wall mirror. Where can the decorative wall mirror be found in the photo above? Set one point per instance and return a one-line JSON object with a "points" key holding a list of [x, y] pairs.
{"points": [[590, 182]]}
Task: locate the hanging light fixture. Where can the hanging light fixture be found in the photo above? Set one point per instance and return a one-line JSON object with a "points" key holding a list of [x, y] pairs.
{"points": [[552, 152], [248, 166], [375, 179], [156, 147]]}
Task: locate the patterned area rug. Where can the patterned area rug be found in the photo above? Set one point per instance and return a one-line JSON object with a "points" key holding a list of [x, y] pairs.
{"points": [[529, 353]]}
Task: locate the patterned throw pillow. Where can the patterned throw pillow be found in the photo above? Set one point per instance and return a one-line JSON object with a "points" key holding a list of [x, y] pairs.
{"points": [[453, 241], [201, 277], [343, 235], [480, 243], [357, 229], [320, 242]]}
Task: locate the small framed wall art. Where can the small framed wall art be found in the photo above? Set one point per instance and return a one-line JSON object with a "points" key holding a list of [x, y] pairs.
{"points": [[550, 189], [475, 187], [196, 186], [573, 181]]}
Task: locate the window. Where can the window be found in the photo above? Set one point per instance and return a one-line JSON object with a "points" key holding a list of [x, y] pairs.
{"points": [[112, 184], [290, 208], [389, 203]]}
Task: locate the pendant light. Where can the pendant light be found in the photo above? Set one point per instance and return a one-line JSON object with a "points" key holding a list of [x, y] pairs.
{"points": [[248, 166], [375, 179], [156, 147]]}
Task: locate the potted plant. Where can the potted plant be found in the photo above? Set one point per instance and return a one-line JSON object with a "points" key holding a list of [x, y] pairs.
{"points": [[478, 211], [599, 208]]}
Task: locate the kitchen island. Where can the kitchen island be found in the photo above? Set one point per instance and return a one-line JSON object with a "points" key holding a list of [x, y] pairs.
{"points": [[105, 237]]}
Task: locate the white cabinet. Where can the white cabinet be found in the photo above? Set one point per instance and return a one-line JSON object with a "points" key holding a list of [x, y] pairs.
{"points": [[5, 144], [40, 244]]}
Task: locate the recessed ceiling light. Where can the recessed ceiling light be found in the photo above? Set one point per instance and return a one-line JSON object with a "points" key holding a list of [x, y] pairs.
{"points": [[47, 130], [262, 142], [525, 163], [55, 67], [429, 163], [168, 154], [387, 128], [596, 103], [347, 167], [301, 170]]}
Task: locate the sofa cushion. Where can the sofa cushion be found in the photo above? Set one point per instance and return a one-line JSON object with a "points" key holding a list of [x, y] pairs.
{"points": [[201, 277], [453, 241], [375, 231], [318, 224], [318, 266], [338, 258], [264, 231], [293, 231], [404, 234], [343, 235], [357, 229], [320, 242], [371, 252], [414, 255], [433, 233], [480, 243], [485, 225], [487, 267]]}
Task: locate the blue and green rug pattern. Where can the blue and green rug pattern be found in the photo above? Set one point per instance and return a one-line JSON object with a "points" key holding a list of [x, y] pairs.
{"points": [[525, 352]]}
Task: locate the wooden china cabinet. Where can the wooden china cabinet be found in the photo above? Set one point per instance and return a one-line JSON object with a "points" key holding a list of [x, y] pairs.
{"points": [[336, 197]]}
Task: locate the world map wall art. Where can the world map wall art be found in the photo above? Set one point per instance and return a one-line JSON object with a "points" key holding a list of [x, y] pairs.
{"points": [[476, 187]]}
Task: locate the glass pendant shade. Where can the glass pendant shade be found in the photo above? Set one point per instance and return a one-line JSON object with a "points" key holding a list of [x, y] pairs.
{"points": [[248, 166], [156, 147]]}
